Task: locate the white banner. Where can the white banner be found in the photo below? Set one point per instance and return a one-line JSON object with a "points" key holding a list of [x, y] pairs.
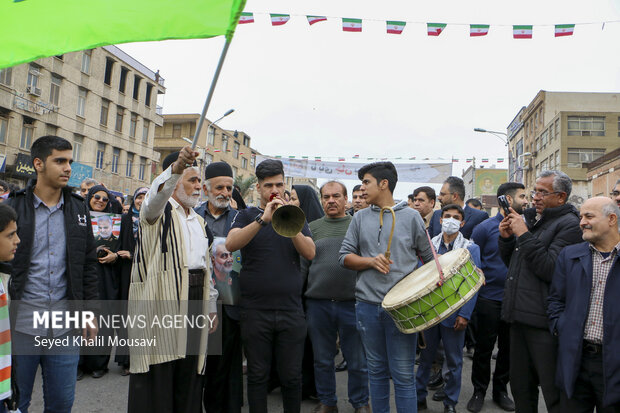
{"points": [[407, 172]]}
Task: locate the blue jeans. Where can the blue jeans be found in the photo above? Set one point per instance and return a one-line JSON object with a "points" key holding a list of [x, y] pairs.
{"points": [[388, 352], [453, 342], [58, 370], [326, 319]]}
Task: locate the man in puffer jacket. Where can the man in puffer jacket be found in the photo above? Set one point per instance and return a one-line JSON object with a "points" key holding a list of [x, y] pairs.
{"points": [[530, 248]]}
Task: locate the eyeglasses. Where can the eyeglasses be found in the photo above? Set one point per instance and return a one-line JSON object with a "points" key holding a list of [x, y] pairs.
{"points": [[615, 193], [99, 197], [543, 193]]}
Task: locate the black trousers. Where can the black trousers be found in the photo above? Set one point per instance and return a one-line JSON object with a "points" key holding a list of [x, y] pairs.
{"points": [[589, 387], [269, 334], [490, 328], [533, 359], [224, 379]]}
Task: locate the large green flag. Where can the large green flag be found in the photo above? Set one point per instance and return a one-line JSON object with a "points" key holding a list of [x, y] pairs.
{"points": [[31, 29]]}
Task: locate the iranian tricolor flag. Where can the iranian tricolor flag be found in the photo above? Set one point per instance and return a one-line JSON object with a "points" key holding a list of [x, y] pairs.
{"points": [[279, 19], [246, 18], [522, 32], [455, 160], [478, 30], [340, 159], [485, 160], [468, 160], [316, 19], [500, 160], [435, 29], [351, 25], [395, 27], [564, 30]]}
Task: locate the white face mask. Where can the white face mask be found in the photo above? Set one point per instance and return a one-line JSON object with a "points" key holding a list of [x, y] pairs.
{"points": [[450, 225]]}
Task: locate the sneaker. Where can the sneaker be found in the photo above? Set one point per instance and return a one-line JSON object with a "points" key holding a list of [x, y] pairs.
{"points": [[475, 403]]}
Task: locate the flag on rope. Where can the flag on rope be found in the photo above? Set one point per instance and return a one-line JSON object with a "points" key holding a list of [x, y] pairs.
{"points": [[455, 160], [478, 30], [500, 160], [317, 158], [351, 25], [485, 160], [304, 157], [316, 19], [356, 156], [468, 160], [435, 29], [34, 29], [522, 32], [278, 156], [279, 19], [340, 159], [246, 18], [412, 158], [291, 156], [564, 30], [395, 27]]}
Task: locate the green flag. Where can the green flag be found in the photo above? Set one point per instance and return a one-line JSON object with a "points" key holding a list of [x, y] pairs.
{"points": [[32, 29]]}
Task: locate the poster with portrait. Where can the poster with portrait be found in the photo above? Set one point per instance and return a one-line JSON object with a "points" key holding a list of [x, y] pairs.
{"points": [[106, 229], [225, 266]]}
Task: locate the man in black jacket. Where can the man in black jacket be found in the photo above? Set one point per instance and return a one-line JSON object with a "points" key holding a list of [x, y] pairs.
{"points": [[55, 263], [530, 248]]}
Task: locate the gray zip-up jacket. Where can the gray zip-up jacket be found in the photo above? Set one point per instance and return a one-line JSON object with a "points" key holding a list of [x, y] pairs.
{"points": [[366, 239]]}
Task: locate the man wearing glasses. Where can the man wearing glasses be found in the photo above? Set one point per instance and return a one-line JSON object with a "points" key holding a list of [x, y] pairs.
{"points": [[529, 246], [615, 194]]}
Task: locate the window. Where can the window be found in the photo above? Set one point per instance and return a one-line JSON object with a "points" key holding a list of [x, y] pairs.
{"points": [[537, 144], [78, 141], [105, 106], [544, 139], [535, 120], [235, 172], [133, 123], [552, 162], [540, 117], [145, 131], [81, 103], [586, 126], [557, 128], [578, 156], [208, 158], [27, 131], [246, 141], [100, 155], [253, 161], [244, 163], [136, 86], [6, 75], [176, 130], [544, 165], [149, 92], [86, 55], [123, 81], [55, 90], [142, 168], [119, 119], [33, 76], [224, 143], [4, 126], [557, 159], [116, 154], [211, 134], [236, 150], [109, 64], [129, 167], [618, 125]]}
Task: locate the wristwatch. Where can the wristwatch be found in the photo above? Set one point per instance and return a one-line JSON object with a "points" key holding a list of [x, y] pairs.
{"points": [[260, 221]]}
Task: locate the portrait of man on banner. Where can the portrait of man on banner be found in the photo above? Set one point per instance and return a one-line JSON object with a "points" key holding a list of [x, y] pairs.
{"points": [[106, 229], [225, 271]]}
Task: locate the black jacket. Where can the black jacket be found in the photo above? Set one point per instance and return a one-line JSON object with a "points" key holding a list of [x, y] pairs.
{"points": [[81, 271], [531, 261]]}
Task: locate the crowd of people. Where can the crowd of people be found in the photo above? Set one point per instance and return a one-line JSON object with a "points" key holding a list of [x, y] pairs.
{"points": [[288, 305]]}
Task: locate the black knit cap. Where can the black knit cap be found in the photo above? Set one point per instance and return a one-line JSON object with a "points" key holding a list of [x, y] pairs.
{"points": [[170, 159], [218, 169]]}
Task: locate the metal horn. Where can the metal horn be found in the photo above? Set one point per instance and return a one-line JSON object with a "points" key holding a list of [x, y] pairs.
{"points": [[288, 220]]}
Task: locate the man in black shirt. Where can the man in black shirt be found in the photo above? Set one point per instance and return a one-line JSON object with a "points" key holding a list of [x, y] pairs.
{"points": [[272, 318]]}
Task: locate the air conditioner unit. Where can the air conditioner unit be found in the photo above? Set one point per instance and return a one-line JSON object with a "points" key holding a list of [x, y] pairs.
{"points": [[33, 90]]}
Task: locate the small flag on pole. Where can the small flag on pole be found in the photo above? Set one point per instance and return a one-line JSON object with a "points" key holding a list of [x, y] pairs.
{"points": [[564, 30], [395, 27], [478, 30], [316, 19], [435, 29], [279, 19], [522, 32], [246, 18], [351, 25]]}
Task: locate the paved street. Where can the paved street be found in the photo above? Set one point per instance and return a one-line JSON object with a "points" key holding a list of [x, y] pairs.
{"points": [[109, 394]]}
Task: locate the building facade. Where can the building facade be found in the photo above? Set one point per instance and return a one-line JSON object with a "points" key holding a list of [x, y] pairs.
{"points": [[603, 173], [102, 100], [564, 131]]}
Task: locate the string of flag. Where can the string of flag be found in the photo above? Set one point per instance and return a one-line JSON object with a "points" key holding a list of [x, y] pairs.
{"points": [[399, 158], [519, 31]]}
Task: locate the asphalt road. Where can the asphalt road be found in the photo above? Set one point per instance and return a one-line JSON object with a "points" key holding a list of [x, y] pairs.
{"points": [[109, 394]]}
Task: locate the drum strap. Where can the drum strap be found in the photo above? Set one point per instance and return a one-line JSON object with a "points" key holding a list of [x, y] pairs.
{"points": [[439, 270]]}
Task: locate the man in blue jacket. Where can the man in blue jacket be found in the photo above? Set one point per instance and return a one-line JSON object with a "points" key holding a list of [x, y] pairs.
{"points": [[584, 313]]}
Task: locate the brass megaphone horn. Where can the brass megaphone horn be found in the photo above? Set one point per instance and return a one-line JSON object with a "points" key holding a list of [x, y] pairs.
{"points": [[288, 220]]}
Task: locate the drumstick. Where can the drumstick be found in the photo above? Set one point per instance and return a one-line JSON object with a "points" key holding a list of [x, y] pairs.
{"points": [[441, 279], [387, 253]]}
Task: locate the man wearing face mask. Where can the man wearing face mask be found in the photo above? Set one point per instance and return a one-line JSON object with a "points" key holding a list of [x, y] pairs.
{"points": [[451, 330]]}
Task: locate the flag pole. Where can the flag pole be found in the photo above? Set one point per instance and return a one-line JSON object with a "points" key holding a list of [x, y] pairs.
{"points": [[210, 94]]}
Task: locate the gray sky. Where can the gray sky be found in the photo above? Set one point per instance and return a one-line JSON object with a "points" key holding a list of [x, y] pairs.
{"points": [[318, 91]]}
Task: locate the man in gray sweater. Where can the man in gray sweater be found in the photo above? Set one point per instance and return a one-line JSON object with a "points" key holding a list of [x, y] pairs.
{"points": [[388, 351], [330, 306]]}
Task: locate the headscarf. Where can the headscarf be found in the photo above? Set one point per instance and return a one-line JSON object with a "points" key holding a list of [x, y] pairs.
{"points": [[135, 214], [309, 202], [98, 188]]}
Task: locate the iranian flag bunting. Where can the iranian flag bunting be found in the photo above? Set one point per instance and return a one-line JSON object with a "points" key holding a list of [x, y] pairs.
{"points": [[484, 160], [356, 156], [340, 159], [351, 25], [395, 27], [478, 30], [246, 18], [316, 19], [455, 160], [435, 29], [317, 158], [291, 156], [522, 32], [564, 30], [499, 160], [468, 160], [279, 19], [304, 157]]}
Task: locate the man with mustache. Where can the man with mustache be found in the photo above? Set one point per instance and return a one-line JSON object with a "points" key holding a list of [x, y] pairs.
{"points": [[615, 193], [224, 380]]}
